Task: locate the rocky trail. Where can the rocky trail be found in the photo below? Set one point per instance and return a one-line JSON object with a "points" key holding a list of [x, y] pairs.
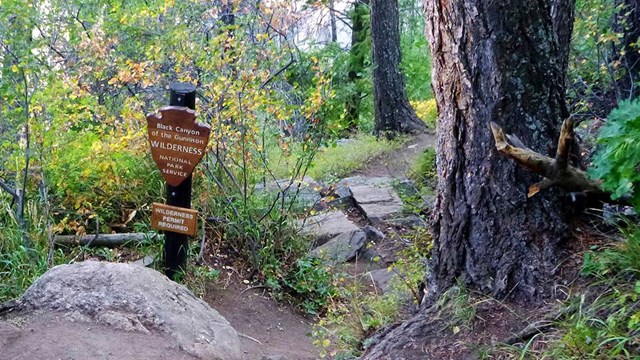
{"points": [[355, 226]]}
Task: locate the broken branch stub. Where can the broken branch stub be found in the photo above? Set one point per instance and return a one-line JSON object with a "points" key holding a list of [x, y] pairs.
{"points": [[558, 171]]}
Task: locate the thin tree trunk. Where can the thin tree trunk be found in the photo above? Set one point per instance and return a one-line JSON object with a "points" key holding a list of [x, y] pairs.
{"points": [[562, 15], [393, 113], [332, 20], [628, 23], [357, 56]]}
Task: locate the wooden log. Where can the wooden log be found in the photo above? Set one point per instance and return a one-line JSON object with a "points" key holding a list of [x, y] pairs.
{"points": [[558, 171], [107, 240]]}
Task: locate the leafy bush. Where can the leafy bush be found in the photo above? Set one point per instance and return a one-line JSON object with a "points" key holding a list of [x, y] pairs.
{"points": [[617, 159], [427, 110], [416, 63], [311, 281], [424, 171], [99, 178]]}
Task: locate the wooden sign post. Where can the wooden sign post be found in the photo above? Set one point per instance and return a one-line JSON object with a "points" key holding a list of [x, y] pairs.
{"points": [[177, 143]]}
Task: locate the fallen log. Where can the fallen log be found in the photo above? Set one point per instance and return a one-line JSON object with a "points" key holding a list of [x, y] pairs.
{"points": [[107, 240], [556, 171]]}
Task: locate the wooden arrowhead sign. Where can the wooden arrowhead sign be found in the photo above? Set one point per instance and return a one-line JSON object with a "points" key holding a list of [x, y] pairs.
{"points": [[177, 141]]}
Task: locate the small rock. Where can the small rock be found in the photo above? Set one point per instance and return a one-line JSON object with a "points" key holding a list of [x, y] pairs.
{"points": [[384, 280], [378, 200], [364, 194], [340, 197], [379, 212], [373, 234], [411, 221], [368, 181], [406, 187]]}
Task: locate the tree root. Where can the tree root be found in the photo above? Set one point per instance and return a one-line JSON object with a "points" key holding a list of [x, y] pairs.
{"points": [[539, 327]]}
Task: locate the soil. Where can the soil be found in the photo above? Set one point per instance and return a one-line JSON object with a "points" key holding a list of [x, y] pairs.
{"points": [[266, 327], [398, 163]]}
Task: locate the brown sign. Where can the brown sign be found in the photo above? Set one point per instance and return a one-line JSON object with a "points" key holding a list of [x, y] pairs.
{"points": [[174, 219], [177, 142]]}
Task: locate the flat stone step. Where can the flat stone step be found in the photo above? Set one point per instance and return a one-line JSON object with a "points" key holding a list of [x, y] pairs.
{"points": [[327, 225]]}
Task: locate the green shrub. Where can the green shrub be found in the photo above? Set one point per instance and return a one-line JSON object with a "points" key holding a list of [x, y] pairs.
{"points": [[310, 281], [424, 171], [357, 312], [617, 159]]}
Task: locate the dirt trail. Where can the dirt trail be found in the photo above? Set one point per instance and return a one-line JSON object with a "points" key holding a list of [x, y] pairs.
{"points": [[397, 163], [272, 329], [266, 327]]}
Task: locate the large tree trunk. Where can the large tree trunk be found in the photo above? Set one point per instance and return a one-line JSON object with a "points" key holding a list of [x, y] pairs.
{"points": [[500, 61], [393, 113], [495, 61]]}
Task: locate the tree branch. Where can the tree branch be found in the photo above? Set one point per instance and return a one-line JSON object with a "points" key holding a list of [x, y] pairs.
{"points": [[557, 172], [9, 190]]}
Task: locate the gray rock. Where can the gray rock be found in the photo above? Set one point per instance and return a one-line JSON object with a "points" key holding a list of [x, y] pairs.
{"points": [[137, 299], [406, 187], [370, 255], [368, 181], [411, 221], [343, 142], [373, 234], [377, 198], [428, 203], [388, 282], [365, 194], [341, 248], [327, 225], [340, 197], [369, 252], [379, 212]]}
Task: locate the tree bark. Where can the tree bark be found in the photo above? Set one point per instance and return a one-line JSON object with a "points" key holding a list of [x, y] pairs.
{"points": [[628, 24], [562, 15], [357, 57], [393, 113], [495, 61], [332, 20]]}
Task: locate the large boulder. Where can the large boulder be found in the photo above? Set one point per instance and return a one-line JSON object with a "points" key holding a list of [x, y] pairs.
{"points": [[134, 299]]}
